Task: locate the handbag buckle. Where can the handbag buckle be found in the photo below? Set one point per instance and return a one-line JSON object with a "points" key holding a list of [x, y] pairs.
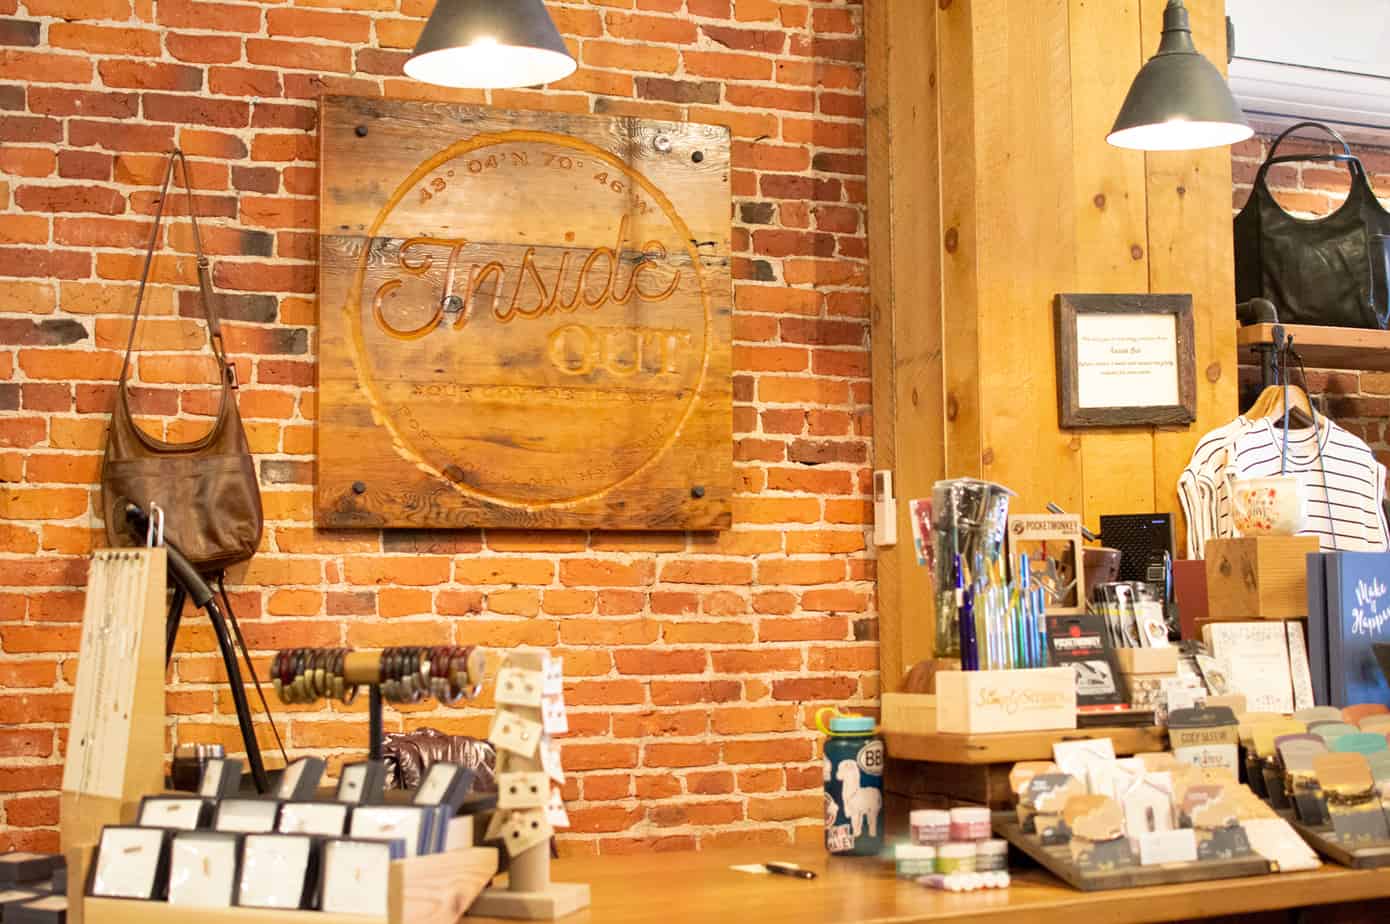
{"points": [[232, 376]]}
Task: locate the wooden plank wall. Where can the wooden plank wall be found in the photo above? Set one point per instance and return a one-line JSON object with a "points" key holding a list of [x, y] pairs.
{"points": [[1003, 106], [909, 438]]}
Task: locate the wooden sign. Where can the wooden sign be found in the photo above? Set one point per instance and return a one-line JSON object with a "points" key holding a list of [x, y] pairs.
{"points": [[524, 319]]}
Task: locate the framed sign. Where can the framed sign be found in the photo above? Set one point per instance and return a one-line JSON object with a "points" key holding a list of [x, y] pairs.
{"points": [[525, 319], [1125, 360]]}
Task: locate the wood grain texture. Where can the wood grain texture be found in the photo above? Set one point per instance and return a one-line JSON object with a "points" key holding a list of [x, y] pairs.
{"points": [[1058, 861], [687, 888], [1111, 232], [1026, 228], [1011, 747], [1323, 347], [1070, 413], [1191, 250], [909, 406], [959, 156], [524, 321]]}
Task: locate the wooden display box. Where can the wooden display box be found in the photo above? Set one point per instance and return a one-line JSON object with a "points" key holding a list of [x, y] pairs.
{"points": [[1260, 577], [974, 702], [434, 889], [908, 713], [1147, 660]]}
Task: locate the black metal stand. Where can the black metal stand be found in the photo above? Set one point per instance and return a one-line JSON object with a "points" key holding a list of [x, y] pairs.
{"points": [[374, 722], [1269, 356], [186, 583]]}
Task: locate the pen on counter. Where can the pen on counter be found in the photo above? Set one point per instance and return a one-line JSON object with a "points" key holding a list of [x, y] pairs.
{"points": [[786, 869]]}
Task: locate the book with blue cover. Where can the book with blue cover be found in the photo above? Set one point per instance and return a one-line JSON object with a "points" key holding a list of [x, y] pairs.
{"points": [[1317, 626], [1358, 616]]}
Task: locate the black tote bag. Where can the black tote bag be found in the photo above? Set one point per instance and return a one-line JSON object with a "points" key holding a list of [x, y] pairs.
{"points": [[1331, 271]]}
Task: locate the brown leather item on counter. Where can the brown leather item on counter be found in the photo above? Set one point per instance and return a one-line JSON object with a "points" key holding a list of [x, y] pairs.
{"points": [[409, 756], [206, 488]]}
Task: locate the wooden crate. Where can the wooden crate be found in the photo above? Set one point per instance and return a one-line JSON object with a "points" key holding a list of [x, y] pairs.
{"points": [[434, 889], [972, 702], [1259, 577]]}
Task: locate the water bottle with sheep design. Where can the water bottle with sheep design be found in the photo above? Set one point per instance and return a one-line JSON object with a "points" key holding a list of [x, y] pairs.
{"points": [[853, 769]]}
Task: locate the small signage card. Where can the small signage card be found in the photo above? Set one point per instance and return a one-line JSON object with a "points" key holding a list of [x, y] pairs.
{"points": [[1080, 642], [1052, 543]]}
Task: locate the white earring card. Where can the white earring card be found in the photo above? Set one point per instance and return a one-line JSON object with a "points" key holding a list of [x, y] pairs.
{"points": [[247, 816], [356, 876], [325, 819], [522, 790], [177, 812], [517, 687], [130, 863], [362, 783], [203, 869], [513, 733], [275, 870]]}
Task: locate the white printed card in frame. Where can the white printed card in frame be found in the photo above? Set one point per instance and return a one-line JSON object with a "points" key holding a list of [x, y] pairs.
{"points": [[525, 319]]}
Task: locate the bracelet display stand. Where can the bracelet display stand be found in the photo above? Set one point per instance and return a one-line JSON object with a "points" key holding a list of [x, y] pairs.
{"points": [[538, 707], [125, 608]]}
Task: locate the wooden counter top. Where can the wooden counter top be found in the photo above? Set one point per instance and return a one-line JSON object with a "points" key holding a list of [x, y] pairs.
{"points": [[700, 888]]}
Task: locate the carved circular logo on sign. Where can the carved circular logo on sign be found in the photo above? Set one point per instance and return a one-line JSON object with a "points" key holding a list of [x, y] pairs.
{"points": [[529, 318]]}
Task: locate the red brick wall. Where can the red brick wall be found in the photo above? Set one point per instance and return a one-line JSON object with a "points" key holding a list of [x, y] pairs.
{"points": [[1359, 401], [695, 661]]}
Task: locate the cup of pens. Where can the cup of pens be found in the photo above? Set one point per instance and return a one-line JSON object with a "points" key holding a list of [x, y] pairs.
{"points": [[988, 613]]}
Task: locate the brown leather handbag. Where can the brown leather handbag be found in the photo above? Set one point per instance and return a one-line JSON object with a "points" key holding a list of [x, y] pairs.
{"points": [[207, 488]]}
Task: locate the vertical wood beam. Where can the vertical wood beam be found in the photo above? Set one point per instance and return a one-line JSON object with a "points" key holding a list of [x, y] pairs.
{"points": [[906, 330], [1026, 220], [1112, 235]]}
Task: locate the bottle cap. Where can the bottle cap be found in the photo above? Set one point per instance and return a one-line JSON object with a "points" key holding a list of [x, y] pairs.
{"points": [[956, 850], [970, 814], [914, 852]]}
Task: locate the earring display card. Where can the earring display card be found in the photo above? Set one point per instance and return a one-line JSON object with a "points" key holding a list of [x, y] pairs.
{"points": [[275, 871], [518, 687], [178, 812], [357, 874], [26, 867], [203, 869], [300, 781], [362, 783], [522, 790], [247, 816], [523, 830], [326, 819], [410, 823], [444, 784], [221, 778], [130, 863], [515, 734]]}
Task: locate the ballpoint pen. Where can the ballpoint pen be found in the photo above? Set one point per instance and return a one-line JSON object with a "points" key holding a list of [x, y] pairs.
{"points": [[786, 869]]}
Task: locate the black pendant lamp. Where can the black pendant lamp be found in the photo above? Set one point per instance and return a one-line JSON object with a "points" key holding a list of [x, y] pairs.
{"points": [[1179, 101], [488, 44]]}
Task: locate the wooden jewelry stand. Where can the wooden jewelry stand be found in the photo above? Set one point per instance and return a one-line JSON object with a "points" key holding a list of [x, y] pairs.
{"points": [[432, 889], [116, 740], [529, 895]]}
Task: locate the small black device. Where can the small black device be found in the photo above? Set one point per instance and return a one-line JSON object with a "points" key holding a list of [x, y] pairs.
{"points": [[1142, 538]]}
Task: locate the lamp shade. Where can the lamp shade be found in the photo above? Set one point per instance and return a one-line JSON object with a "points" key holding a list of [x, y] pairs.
{"points": [[1179, 101], [490, 44]]}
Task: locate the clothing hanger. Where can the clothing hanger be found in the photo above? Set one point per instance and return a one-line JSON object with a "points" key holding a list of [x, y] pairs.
{"points": [[1291, 405]]}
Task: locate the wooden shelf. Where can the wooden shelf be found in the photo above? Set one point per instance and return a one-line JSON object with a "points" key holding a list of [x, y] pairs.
{"points": [[1009, 747], [1323, 347]]}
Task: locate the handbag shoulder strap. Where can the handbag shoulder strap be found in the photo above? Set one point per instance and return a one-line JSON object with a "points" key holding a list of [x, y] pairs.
{"points": [[1351, 160], [176, 157]]}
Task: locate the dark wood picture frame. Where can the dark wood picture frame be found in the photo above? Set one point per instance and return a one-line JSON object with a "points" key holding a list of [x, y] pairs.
{"points": [[1069, 410]]}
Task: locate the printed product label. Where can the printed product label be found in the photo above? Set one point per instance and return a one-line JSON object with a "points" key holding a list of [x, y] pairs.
{"points": [[870, 758], [839, 839]]}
